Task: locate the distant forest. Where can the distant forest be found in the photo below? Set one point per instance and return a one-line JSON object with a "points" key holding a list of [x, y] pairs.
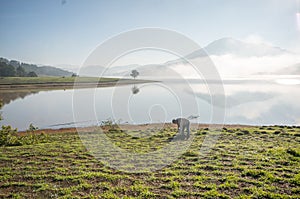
{"points": [[13, 68], [7, 70]]}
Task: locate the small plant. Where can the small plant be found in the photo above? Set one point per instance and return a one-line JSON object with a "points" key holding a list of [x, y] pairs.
{"points": [[277, 132], [293, 152], [112, 124], [254, 173], [245, 131], [32, 128], [172, 185], [230, 131], [239, 133], [180, 193], [296, 179], [191, 154]]}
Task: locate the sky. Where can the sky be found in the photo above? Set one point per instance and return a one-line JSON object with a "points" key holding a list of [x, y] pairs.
{"points": [[57, 32]]}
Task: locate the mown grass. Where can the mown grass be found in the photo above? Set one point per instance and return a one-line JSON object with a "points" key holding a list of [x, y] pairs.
{"points": [[253, 162]]}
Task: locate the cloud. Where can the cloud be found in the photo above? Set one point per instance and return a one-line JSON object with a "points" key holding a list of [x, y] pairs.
{"points": [[232, 58], [256, 39], [236, 58], [234, 66], [298, 20]]}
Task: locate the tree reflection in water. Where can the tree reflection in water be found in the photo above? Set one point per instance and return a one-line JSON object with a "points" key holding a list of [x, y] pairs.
{"points": [[11, 95], [135, 89]]}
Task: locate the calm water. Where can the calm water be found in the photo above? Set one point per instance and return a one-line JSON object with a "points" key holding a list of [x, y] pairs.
{"points": [[261, 102]]}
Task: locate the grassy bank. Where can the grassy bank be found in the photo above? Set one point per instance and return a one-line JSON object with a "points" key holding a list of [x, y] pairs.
{"points": [[247, 162], [19, 83], [47, 80]]}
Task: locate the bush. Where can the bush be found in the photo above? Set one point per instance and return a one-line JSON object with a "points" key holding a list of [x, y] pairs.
{"points": [[8, 136], [32, 74]]}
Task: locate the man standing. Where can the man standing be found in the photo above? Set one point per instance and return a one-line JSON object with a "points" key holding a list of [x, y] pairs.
{"points": [[182, 124]]}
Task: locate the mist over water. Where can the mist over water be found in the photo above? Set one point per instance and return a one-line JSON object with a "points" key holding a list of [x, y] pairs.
{"points": [[251, 101]]}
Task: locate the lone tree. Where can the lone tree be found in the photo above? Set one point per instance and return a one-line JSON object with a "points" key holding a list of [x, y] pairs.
{"points": [[134, 73]]}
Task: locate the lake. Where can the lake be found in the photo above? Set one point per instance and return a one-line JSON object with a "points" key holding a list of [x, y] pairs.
{"points": [[263, 101]]}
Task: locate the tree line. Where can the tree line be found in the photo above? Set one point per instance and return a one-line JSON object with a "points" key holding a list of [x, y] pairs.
{"points": [[7, 70]]}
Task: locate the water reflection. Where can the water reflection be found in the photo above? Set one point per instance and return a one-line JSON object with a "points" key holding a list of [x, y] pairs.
{"points": [[135, 89], [236, 99], [8, 96], [246, 103]]}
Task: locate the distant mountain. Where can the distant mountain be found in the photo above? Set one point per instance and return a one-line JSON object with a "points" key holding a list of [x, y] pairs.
{"points": [[95, 70], [39, 70], [239, 48], [240, 51], [124, 71]]}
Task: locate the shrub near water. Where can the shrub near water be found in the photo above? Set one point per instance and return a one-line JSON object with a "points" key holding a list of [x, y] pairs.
{"points": [[10, 137]]}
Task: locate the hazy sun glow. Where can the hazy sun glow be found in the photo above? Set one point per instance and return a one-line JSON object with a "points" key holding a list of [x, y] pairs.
{"points": [[298, 20]]}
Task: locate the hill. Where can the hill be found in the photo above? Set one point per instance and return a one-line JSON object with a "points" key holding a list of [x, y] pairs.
{"points": [[232, 57], [239, 48], [39, 70]]}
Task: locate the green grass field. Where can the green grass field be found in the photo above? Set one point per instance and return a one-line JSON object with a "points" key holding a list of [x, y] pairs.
{"points": [[256, 162]]}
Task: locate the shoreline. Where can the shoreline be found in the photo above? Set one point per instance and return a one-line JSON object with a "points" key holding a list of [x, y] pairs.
{"points": [[68, 85], [194, 126]]}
